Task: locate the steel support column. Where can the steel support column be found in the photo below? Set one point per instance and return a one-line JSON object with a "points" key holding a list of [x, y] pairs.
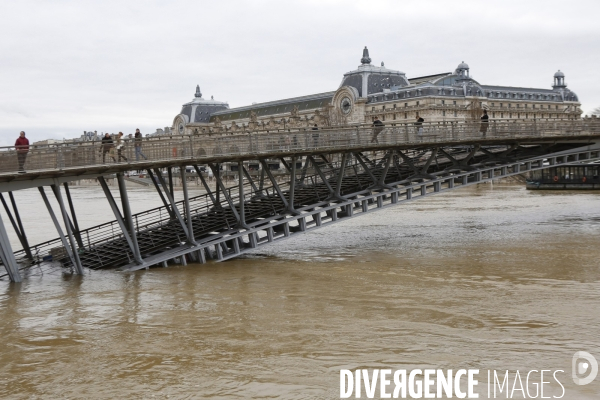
{"points": [[261, 181], [7, 256], [365, 167], [388, 161], [208, 191], [418, 173], [133, 246], [340, 177], [247, 175], [70, 248], [172, 202], [322, 175], [75, 225], [162, 197], [67, 221], [292, 186], [170, 174], [303, 171], [128, 218], [274, 183], [241, 193], [224, 190], [186, 201], [17, 225]]}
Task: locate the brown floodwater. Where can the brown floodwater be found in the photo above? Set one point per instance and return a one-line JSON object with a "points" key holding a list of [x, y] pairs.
{"points": [[487, 277]]}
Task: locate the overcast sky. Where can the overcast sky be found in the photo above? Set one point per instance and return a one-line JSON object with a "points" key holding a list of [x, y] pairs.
{"points": [[70, 66]]}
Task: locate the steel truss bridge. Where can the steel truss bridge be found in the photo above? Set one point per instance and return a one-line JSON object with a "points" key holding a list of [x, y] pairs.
{"points": [[330, 175]]}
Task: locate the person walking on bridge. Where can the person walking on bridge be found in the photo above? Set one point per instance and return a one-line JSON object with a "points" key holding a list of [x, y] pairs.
{"points": [[315, 136], [137, 144], [485, 122], [22, 147], [107, 146], [377, 128], [419, 125], [120, 147]]}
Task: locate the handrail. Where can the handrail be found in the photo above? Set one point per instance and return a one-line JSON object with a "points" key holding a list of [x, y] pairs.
{"points": [[62, 156]]}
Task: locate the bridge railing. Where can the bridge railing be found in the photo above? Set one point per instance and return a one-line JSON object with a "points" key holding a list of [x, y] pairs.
{"points": [[63, 156]]}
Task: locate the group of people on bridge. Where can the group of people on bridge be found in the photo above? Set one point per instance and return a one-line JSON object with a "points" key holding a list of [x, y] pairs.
{"points": [[378, 126], [110, 143]]}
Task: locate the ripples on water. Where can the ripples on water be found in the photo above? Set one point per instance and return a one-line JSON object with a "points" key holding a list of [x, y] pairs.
{"points": [[483, 277]]}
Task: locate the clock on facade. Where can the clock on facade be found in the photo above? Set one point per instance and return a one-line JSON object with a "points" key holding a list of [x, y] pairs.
{"points": [[180, 127], [346, 105]]}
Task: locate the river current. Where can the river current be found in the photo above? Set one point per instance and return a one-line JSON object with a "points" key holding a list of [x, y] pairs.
{"points": [[491, 277]]}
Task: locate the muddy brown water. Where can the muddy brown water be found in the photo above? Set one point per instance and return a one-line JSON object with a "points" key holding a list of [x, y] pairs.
{"points": [[487, 277]]}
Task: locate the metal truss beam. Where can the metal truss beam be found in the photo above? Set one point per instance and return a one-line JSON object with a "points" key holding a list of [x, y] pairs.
{"points": [[247, 175], [17, 225], [128, 218], [241, 194], [227, 196], [8, 257], [172, 202], [206, 188], [366, 168], [68, 226], [73, 221], [131, 239], [266, 169], [162, 197], [419, 173], [70, 248]]}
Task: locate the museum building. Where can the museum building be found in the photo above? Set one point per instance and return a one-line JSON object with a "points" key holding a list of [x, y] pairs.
{"points": [[375, 91]]}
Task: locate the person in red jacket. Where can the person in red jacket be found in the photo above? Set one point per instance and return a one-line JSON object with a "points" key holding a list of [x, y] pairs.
{"points": [[22, 147]]}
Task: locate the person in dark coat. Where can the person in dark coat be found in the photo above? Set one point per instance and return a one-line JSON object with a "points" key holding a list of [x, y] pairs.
{"points": [[137, 143], [485, 122], [107, 146], [22, 147], [377, 128], [315, 136], [419, 125]]}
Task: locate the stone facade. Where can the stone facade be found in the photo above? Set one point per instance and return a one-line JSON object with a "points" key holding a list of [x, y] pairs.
{"points": [[372, 91]]}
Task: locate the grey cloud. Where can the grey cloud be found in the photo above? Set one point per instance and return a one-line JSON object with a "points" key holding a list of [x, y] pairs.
{"points": [[117, 66]]}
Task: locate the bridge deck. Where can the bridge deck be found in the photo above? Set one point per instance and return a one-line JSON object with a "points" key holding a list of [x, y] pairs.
{"points": [[69, 161]]}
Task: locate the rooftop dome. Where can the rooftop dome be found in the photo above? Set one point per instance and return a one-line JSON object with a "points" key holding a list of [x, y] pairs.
{"points": [[368, 78], [559, 74], [463, 65], [200, 109]]}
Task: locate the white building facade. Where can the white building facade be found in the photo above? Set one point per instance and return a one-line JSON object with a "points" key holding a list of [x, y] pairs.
{"points": [[371, 91]]}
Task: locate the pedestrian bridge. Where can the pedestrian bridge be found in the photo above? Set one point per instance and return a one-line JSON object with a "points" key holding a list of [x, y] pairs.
{"points": [[327, 176]]}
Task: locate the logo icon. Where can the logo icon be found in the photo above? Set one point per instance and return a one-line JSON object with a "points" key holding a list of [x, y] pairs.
{"points": [[583, 363]]}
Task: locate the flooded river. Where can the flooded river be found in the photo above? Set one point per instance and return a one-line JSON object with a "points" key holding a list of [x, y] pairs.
{"points": [[486, 277]]}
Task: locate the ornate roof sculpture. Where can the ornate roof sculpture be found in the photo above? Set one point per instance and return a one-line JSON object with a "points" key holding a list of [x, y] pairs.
{"points": [[365, 58]]}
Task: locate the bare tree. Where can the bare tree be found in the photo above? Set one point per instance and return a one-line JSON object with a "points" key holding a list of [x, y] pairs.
{"points": [[596, 111]]}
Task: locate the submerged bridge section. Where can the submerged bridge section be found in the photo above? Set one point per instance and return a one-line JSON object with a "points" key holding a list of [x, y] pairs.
{"points": [[330, 175]]}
